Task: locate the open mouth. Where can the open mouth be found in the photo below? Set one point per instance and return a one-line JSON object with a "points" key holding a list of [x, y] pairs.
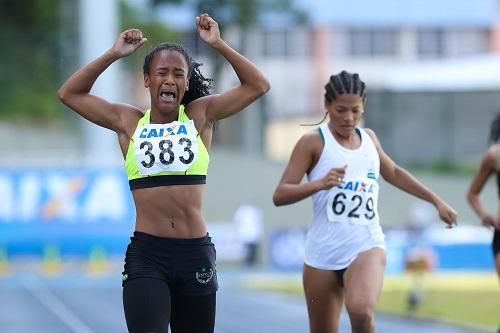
{"points": [[167, 96]]}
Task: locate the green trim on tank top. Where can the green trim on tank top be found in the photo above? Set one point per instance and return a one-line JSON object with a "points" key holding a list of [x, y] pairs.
{"points": [[321, 135]]}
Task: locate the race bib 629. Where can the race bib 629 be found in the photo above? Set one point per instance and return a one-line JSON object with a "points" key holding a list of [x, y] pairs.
{"points": [[355, 202]]}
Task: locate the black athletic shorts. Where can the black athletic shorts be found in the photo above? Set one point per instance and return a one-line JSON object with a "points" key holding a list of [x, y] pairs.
{"points": [[496, 242], [340, 275], [186, 265]]}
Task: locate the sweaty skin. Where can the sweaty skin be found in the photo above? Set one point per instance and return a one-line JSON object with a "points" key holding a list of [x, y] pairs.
{"points": [[167, 211]]}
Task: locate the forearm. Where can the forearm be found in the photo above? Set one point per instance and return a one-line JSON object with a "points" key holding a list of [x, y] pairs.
{"points": [[287, 194], [247, 72], [403, 180], [476, 205], [81, 81]]}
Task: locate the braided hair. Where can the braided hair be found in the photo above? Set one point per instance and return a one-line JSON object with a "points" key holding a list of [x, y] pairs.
{"points": [[199, 85], [343, 83], [495, 129]]}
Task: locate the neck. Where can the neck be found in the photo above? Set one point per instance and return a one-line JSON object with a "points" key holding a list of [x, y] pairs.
{"points": [[349, 139], [163, 117]]}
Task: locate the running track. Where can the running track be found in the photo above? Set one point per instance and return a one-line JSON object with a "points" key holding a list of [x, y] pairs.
{"points": [[73, 303]]}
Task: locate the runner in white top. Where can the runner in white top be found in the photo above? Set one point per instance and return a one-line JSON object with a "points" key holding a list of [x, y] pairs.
{"points": [[345, 248], [351, 206]]}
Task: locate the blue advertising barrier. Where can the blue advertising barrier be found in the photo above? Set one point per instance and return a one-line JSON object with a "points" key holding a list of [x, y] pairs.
{"points": [[463, 248], [74, 209]]}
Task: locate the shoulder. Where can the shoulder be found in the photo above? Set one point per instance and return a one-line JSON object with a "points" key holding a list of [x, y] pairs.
{"points": [[199, 104], [312, 138], [494, 150], [491, 157], [129, 110], [307, 150], [370, 132], [197, 109], [129, 116], [310, 143], [372, 135]]}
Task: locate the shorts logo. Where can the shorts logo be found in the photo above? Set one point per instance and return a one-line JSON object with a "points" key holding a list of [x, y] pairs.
{"points": [[124, 277], [205, 275]]}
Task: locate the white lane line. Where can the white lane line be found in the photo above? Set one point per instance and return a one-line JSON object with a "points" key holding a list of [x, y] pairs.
{"points": [[56, 306]]}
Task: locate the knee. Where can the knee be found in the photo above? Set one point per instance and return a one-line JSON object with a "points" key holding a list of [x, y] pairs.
{"points": [[361, 316]]}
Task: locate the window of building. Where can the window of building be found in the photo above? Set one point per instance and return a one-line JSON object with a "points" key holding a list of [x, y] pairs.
{"points": [[275, 42], [372, 42], [463, 42], [279, 42], [299, 42], [430, 43]]}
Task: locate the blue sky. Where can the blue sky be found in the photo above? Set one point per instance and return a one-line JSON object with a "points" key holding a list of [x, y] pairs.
{"points": [[369, 13]]}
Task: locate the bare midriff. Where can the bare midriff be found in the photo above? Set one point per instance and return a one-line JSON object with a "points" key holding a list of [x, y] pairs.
{"points": [[170, 211]]}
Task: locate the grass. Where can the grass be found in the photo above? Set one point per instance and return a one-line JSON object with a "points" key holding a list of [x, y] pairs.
{"points": [[464, 299], [463, 168]]}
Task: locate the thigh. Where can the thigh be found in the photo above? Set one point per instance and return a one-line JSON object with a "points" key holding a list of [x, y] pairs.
{"points": [[146, 302], [193, 314], [324, 298], [363, 280]]}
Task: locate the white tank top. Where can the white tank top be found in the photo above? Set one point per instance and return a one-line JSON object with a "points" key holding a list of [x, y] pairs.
{"points": [[346, 221]]}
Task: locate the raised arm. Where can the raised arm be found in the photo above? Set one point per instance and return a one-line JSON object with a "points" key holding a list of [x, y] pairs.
{"points": [[253, 83], [402, 179], [75, 92], [486, 169], [304, 156]]}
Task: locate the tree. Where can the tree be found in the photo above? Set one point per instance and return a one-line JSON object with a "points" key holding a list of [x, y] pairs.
{"points": [[155, 31], [243, 130], [243, 14], [28, 73]]}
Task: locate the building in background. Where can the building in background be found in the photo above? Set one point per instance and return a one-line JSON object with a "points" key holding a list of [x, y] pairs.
{"points": [[433, 73], [429, 65]]}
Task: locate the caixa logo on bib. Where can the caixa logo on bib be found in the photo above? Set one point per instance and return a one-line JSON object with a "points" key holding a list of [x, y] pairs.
{"points": [[205, 275]]}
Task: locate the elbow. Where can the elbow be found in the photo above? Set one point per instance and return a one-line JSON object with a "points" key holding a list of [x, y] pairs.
{"points": [[263, 86], [278, 200], [386, 177], [471, 196], [62, 95], [392, 174]]}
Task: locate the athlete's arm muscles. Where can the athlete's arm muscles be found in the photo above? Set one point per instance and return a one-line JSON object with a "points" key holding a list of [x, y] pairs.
{"points": [[486, 169], [75, 92], [402, 179], [290, 189], [253, 83], [398, 176]]}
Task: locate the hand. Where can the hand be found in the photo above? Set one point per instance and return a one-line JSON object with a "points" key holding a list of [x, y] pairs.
{"points": [[128, 41], [208, 29], [334, 177], [447, 214]]}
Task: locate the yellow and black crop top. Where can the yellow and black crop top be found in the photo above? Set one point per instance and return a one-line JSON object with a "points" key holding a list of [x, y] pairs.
{"points": [[166, 154]]}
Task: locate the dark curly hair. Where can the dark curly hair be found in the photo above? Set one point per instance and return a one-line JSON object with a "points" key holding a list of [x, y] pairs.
{"points": [[199, 85]]}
